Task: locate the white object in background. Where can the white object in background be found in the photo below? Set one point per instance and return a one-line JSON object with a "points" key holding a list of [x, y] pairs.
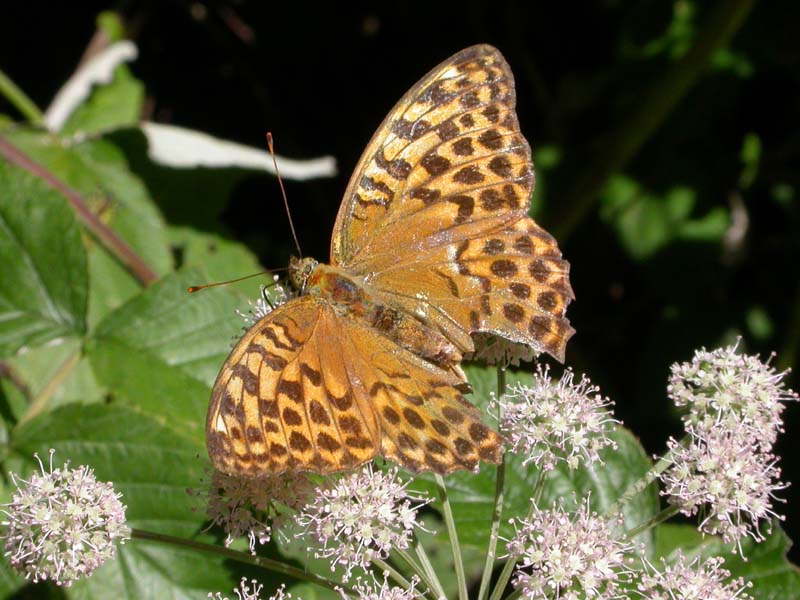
{"points": [[98, 69], [185, 148]]}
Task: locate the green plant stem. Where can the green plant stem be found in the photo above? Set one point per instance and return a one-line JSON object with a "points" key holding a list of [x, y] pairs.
{"points": [[639, 485], [104, 234], [451, 532], [432, 580], [499, 496], [508, 568], [428, 576], [665, 514], [657, 102], [393, 573], [20, 100], [259, 561]]}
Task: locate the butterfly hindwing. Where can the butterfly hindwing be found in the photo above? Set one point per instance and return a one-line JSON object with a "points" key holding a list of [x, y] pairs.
{"points": [[426, 424]]}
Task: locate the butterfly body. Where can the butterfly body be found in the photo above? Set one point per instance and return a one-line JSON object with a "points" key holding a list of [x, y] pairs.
{"points": [[432, 244], [350, 297]]}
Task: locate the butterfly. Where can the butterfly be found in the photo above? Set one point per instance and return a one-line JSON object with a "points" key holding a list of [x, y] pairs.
{"points": [[432, 243]]}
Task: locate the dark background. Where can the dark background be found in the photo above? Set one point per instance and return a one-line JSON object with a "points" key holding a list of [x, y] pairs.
{"points": [[322, 77]]}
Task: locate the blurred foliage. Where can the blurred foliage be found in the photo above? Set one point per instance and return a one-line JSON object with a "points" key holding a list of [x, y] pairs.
{"points": [[684, 236]]}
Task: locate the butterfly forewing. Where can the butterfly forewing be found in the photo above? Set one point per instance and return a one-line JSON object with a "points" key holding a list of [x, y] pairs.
{"points": [[436, 215]]}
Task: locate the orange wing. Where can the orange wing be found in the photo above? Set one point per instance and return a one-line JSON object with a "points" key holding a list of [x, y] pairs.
{"points": [[284, 400], [436, 214], [307, 390]]}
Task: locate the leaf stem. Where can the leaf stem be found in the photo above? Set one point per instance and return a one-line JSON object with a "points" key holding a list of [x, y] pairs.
{"points": [[20, 100], [259, 561], [639, 485], [453, 535], [107, 237], [657, 102], [40, 400], [665, 514], [499, 496]]}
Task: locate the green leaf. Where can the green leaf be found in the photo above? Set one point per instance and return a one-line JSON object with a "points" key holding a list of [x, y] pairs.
{"points": [[57, 371], [111, 284], [43, 290], [162, 350], [109, 106], [763, 563], [151, 468], [99, 171], [132, 214], [646, 223], [220, 258]]}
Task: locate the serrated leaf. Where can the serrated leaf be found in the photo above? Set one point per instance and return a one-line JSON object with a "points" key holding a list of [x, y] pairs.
{"points": [[162, 350], [43, 290], [110, 284], [606, 482]]}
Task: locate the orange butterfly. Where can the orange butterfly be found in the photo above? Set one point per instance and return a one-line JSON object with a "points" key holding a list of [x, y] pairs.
{"points": [[432, 243]]}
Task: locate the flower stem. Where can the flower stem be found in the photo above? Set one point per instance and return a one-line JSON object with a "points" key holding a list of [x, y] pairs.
{"points": [[433, 581], [508, 568], [393, 573], [499, 496], [453, 535], [20, 100], [259, 561], [425, 573]]}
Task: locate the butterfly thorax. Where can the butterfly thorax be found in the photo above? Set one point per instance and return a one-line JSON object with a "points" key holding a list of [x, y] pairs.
{"points": [[350, 297]]}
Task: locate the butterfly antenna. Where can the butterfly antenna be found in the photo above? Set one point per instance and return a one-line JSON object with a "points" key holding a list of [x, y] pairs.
{"points": [[196, 288], [283, 193]]}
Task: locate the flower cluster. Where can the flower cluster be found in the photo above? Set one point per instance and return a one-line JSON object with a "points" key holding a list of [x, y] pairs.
{"points": [[360, 517], [724, 389], [726, 469], [684, 580], [266, 302], [253, 507], [62, 524], [554, 421], [381, 590], [495, 350], [569, 555], [245, 592]]}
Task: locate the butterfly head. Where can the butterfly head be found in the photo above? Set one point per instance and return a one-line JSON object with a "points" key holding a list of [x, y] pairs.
{"points": [[299, 271]]}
